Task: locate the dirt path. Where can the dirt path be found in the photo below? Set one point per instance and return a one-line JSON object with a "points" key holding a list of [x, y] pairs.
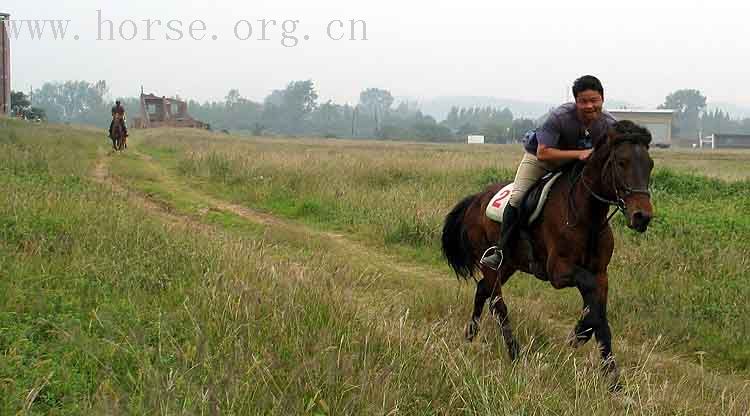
{"points": [[355, 249], [363, 258], [100, 173], [644, 355]]}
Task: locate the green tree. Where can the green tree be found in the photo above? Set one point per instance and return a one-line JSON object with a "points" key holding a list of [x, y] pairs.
{"points": [[236, 112], [36, 113], [331, 120], [18, 102], [233, 98], [20, 106], [426, 128], [496, 132], [467, 129], [745, 126], [75, 101], [377, 102], [688, 105], [519, 127], [288, 110], [453, 121]]}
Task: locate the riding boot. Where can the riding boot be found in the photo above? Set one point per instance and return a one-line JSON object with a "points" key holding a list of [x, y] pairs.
{"points": [[110, 128], [507, 235]]}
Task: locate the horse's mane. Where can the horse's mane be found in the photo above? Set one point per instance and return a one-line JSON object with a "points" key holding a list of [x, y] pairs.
{"points": [[627, 131]]}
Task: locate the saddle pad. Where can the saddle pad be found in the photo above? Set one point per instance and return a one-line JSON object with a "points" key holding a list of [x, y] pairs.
{"points": [[497, 204]]}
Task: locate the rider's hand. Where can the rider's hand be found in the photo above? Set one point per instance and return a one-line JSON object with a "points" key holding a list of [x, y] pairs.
{"points": [[585, 154]]}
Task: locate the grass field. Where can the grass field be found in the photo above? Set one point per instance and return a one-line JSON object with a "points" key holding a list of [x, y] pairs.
{"points": [[201, 273]]}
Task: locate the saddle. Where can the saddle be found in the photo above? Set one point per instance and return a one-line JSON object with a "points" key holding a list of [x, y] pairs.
{"points": [[534, 200]]}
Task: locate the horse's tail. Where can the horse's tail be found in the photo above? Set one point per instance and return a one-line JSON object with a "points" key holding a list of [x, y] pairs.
{"points": [[457, 247]]}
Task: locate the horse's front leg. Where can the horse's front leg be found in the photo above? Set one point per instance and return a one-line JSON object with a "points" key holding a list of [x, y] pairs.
{"points": [[593, 321], [603, 333], [590, 313]]}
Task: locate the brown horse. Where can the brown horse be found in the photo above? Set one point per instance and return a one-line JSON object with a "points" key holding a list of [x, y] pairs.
{"points": [[119, 140], [570, 245]]}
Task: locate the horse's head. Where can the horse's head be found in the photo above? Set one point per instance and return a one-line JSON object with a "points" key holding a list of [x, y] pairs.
{"points": [[626, 171]]}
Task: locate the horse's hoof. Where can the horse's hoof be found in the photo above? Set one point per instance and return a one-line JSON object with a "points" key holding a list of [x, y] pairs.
{"points": [[614, 384], [576, 340], [472, 329], [579, 335], [612, 374]]}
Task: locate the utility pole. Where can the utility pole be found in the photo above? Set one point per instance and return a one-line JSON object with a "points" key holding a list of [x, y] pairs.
{"points": [[354, 118], [4, 65]]}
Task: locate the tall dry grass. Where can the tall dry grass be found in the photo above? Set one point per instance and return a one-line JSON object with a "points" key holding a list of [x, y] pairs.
{"points": [[106, 309]]}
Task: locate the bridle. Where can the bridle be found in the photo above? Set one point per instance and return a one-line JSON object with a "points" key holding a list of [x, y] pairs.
{"points": [[621, 193]]}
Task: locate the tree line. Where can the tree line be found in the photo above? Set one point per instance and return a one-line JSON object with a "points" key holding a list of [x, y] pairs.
{"points": [[692, 117], [296, 111]]}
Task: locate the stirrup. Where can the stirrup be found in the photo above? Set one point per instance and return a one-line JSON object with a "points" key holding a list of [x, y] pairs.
{"points": [[495, 251]]}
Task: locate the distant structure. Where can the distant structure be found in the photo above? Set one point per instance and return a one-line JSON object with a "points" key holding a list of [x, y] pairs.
{"points": [[475, 139], [725, 141], [4, 66], [164, 112], [658, 122]]}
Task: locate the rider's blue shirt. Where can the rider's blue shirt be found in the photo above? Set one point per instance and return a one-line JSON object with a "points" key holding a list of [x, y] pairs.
{"points": [[563, 130]]}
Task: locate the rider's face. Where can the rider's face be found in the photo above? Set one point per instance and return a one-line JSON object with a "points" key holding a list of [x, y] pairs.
{"points": [[589, 104]]}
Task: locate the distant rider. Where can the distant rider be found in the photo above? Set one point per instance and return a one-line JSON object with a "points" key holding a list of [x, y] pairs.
{"points": [[118, 109]]}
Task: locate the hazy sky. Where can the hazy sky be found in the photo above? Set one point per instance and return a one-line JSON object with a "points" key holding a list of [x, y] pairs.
{"points": [[641, 50]]}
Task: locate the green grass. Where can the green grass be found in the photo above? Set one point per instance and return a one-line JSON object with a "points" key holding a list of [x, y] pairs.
{"points": [[106, 309], [683, 280], [110, 307]]}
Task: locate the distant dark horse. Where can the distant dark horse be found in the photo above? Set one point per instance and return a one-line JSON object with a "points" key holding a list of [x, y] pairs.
{"points": [[570, 245], [119, 140]]}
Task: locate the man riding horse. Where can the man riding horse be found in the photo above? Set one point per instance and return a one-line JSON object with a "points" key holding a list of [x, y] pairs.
{"points": [[568, 134], [118, 111], [567, 240]]}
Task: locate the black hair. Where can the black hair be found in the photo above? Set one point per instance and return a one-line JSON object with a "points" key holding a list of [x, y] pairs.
{"points": [[587, 82], [626, 130], [117, 102]]}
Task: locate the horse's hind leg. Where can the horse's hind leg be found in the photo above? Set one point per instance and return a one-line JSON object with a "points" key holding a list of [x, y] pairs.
{"points": [[491, 287], [500, 312], [480, 298]]}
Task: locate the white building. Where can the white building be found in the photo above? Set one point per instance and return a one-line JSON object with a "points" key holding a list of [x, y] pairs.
{"points": [[658, 122], [475, 139]]}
